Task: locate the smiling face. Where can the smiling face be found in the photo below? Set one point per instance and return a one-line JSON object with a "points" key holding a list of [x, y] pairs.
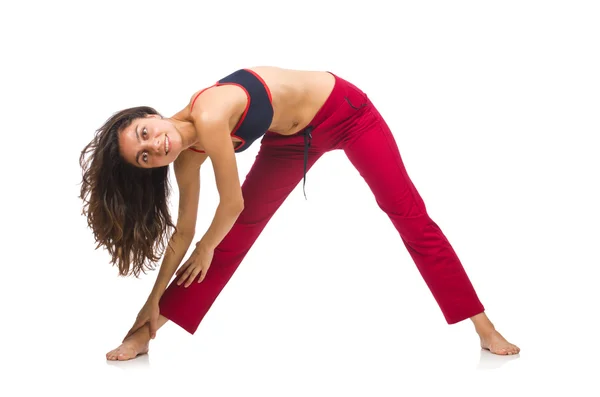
{"points": [[150, 142]]}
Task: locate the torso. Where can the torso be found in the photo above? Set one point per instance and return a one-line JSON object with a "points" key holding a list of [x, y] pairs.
{"points": [[296, 96]]}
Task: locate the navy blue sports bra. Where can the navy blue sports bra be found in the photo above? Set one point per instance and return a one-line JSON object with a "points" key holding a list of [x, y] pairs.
{"points": [[257, 116]]}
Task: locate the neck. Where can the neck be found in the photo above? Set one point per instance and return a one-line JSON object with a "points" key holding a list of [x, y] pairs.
{"points": [[187, 130]]}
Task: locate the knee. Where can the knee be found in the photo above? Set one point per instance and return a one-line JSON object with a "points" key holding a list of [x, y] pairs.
{"points": [[412, 227]]}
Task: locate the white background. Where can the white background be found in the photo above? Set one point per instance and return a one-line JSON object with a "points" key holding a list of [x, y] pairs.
{"points": [[495, 108]]}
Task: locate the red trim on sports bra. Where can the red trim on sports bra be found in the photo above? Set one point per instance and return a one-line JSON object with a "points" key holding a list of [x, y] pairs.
{"points": [[192, 107], [201, 91], [239, 123]]}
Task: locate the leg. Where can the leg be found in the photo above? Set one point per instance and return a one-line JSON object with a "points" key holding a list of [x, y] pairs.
{"points": [[490, 339], [135, 345], [276, 171], [375, 155]]}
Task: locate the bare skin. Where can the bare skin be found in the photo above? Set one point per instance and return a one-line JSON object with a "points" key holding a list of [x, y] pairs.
{"points": [[296, 97], [154, 142], [491, 339], [137, 343], [134, 345]]}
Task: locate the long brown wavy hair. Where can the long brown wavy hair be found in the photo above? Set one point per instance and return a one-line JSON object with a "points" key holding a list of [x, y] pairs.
{"points": [[126, 206]]}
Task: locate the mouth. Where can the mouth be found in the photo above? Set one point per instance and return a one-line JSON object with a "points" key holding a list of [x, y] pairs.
{"points": [[167, 144]]}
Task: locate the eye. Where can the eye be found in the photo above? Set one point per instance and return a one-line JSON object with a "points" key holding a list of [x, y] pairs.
{"points": [[145, 157], [144, 132]]}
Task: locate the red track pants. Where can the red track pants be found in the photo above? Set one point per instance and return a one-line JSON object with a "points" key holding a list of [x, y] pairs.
{"points": [[348, 121]]}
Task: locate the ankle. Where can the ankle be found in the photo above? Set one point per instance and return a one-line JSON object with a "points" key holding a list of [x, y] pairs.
{"points": [[140, 336], [483, 325]]}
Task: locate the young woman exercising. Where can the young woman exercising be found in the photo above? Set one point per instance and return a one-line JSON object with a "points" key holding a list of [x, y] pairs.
{"points": [[298, 116]]}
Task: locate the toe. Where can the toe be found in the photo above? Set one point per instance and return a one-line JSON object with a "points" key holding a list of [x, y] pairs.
{"points": [[116, 354], [125, 354]]}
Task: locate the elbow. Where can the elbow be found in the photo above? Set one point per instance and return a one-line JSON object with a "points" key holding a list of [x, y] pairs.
{"points": [[238, 206], [234, 207], [185, 234]]}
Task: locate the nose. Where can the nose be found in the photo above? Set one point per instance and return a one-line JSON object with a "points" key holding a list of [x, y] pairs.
{"points": [[153, 145], [157, 145]]}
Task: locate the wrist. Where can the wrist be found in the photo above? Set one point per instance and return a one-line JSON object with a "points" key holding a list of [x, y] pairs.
{"points": [[205, 246], [155, 296]]}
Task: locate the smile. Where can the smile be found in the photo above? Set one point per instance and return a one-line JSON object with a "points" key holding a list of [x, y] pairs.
{"points": [[167, 144]]}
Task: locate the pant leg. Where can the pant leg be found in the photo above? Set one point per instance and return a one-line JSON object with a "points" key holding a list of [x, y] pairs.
{"points": [[278, 168], [375, 154]]}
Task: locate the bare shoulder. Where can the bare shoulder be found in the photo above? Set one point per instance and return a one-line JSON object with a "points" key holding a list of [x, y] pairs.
{"points": [[214, 115], [187, 165], [217, 102]]}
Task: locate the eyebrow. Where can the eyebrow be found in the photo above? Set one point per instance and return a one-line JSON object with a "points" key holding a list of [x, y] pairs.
{"points": [[137, 156]]}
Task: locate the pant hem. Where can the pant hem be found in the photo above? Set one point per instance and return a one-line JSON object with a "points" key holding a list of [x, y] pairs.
{"points": [[466, 315], [177, 321]]}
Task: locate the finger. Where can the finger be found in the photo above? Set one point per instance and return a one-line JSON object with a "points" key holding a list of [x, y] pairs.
{"points": [[185, 275], [133, 329], [183, 267], [193, 276], [139, 322], [203, 275], [186, 264], [183, 272], [153, 326]]}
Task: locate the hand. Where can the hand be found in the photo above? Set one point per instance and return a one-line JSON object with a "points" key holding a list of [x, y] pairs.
{"points": [[148, 314], [198, 263]]}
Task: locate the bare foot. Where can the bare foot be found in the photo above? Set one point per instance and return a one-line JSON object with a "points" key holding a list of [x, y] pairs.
{"points": [[495, 343], [135, 345], [490, 338]]}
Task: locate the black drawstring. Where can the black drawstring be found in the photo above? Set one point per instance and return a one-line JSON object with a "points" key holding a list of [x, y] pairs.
{"points": [[307, 141], [354, 107]]}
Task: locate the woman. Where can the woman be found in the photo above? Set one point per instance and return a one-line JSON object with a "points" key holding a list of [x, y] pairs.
{"points": [[299, 116]]}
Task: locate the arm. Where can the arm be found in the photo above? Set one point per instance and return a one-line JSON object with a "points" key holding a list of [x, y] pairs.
{"points": [[187, 174], [211, 119], [217, 143]]}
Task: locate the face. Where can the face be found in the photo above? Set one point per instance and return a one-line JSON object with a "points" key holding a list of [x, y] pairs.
{"points": [[150, 142]]}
